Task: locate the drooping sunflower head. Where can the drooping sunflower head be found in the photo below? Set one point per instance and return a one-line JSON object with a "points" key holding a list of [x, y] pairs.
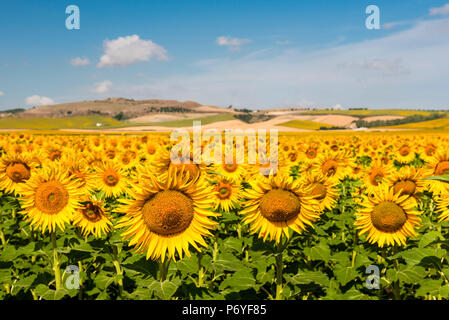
{"points": [[273, 207], [165, 216], [388, 218], [50, 198]]}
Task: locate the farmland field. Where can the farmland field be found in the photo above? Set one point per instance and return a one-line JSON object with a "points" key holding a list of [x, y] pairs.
{"points": [[111, 217]]}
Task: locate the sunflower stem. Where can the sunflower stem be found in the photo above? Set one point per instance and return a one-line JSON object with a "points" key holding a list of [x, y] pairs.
{"points": [[117, 267], [56, 262], [163, 269], [279, 269]]}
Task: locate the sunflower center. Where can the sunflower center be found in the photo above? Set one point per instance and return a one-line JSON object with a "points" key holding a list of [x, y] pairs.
{"points": [[168, 212], [330, 167], [408, 187], [224, 190], [279, 205], [430, 150], [51, 197], [404, 151], [319, 191], [230, 167], [442, 168], [388, 217], [92, 212], [18, 172], [151, 149], [110, 178], [311, 153], [376, 177]]}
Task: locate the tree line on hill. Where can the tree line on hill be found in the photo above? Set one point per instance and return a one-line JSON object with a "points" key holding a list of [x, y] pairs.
{"points": [[410, 119]]}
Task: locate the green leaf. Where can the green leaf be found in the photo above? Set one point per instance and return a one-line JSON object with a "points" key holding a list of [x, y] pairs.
{"points": [[429, 286], [345, 274], [234, 244], [415, 256], [319, 252], [407, 274], [164, 290], [429, 237], [444, 178], [306, 277], [188, 265], [240, 280], [229, 262]]}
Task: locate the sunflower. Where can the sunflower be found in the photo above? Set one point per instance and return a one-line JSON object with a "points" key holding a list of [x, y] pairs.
{"points": [[163, 164], [388, 217], [168, 215], [50, 198], [227, 195], [77, 170], [407, 181], [92, 217], [442, 207], [274, 207], [334, 165], [404, 153], [110, 179], [376, 174], [438, 166], [324, 190], [15, 170]]}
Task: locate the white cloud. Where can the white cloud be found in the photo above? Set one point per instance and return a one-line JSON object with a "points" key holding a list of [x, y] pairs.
{"points": [[102, 87], [402, 69], [79, 62], [441, 11], [131, 49], [2, 93], [283, 43], [38, 101], [231, 43]]}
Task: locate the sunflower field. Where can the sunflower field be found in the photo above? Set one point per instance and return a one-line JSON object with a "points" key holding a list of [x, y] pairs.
{"points": [[110, 217]]}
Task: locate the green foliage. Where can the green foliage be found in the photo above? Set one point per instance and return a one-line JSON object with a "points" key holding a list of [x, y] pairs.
{"points": [[329, 261]]}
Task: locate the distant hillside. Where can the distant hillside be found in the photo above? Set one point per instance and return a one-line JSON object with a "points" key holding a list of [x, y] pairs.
{"points": [[117, 107]]}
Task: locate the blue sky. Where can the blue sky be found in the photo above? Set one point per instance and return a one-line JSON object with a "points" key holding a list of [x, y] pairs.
{"points": [[255, 54]]}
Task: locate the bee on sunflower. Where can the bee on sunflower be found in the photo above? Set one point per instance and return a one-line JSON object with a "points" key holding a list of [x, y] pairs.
{"points": [[92, 217], [166, 216], [388, 218]]}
